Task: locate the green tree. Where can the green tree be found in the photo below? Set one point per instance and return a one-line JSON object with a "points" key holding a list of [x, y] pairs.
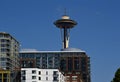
{"points": [[117, 76]]}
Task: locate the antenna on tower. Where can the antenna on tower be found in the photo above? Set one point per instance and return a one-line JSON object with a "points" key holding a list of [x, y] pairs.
{"points": [[65, 12]]}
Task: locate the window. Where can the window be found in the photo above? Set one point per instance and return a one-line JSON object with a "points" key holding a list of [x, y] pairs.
{"points": [[33, 71], [3, 45], [2, 40], [39, 78], [1, 35], [23, 78], [3, 50], [46, 78], [76, 64], [33, 77], [70, 63], [3, 59], [63, 64], [39, 72], [54, 72], [23, 72], [55, 79], [46, 72], [3, 63]]}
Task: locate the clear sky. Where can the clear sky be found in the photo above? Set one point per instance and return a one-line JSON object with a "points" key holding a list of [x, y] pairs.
{"points": [[97, 32]]}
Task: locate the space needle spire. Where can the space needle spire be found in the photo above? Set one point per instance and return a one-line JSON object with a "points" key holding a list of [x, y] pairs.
{"points": [[65, 24]]}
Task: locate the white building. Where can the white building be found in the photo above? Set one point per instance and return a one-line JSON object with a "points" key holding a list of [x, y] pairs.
{"points": [[41, 75]]}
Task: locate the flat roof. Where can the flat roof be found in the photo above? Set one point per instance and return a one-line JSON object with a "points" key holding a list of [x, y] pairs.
{"points": [[67, 50]]}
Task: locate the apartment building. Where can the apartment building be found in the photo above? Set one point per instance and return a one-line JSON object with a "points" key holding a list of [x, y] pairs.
{"points": [[9, 57]]}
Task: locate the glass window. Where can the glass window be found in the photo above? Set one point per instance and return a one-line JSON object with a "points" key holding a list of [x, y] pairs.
{"points": [[33, 71], [33, 77], [1, 35], [46, 78], [3, 50], [46, 72], [63, 64], [39, 78], [3, 63], [83, 64], [23, 78], [39, 72], [70, 63], [2, 40], [76, 64], [3, 45], [55, 79], [3, 59], [54, 72], [23, 72]]}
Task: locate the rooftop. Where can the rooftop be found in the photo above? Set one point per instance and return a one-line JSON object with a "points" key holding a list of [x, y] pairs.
{"points": [[62, 51]]}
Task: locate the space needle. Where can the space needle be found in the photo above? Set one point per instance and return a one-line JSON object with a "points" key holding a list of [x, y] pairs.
{"points": [[65, 24]]}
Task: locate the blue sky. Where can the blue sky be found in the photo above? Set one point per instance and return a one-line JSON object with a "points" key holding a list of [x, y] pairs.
{"points": [[97, 32]]}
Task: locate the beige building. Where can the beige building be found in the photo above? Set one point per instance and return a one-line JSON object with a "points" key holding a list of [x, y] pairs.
{"points": [[9, 53]]}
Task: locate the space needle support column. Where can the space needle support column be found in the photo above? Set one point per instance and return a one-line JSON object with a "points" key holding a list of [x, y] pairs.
{"points": [[65, 38]]}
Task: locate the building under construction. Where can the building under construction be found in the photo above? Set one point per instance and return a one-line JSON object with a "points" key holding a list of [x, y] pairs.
{"points": [[72, 62]]}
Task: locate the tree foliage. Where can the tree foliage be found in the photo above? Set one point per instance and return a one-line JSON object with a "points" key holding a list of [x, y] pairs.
{"points": [[117, 76]]}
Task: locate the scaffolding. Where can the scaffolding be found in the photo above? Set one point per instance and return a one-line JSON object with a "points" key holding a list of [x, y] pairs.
{"points": [[4, 76]]}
